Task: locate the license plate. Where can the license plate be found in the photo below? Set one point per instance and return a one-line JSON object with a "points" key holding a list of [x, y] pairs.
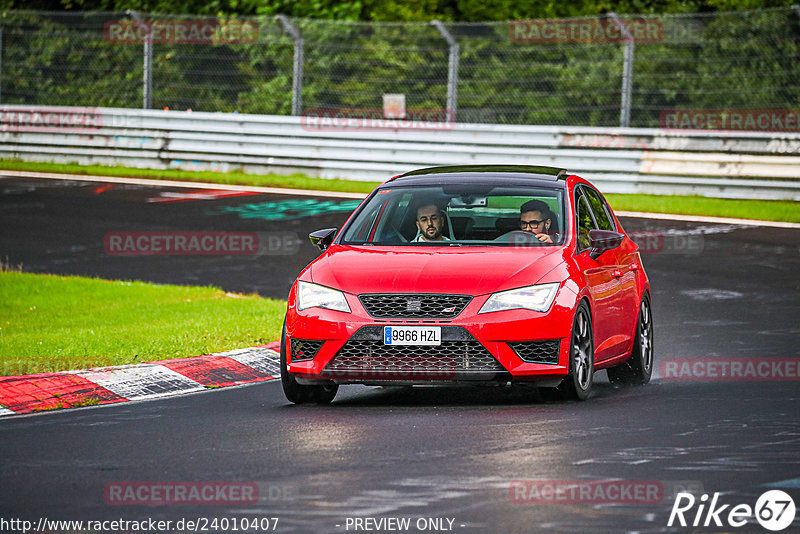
{"points": [[412, 335]]}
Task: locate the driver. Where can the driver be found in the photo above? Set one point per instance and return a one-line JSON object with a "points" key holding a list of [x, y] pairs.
{"points": [[535, 217], [430, 221]]}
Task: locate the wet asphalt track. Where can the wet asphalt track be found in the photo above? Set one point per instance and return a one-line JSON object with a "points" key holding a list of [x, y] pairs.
{"points": [[428, 453]]}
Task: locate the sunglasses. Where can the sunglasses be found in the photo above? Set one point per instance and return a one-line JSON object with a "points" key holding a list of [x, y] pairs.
{"points": [[532, 224]]}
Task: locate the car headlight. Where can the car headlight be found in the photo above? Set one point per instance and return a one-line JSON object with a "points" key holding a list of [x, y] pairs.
{"points": [[536, 298], [315, 296]]}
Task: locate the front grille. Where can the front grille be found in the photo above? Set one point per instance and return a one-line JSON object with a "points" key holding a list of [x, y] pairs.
{"points": [[399, 305], [365, 357], [304, 349], [538, 351]]}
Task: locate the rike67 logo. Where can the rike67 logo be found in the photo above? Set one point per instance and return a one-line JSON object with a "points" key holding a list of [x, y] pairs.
{"points": [[774, 510]]}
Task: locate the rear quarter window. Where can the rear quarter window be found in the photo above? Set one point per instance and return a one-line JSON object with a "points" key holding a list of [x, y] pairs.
{"points": [[600, 210]]}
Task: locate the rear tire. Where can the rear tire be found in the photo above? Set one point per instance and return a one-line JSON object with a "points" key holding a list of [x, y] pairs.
{"points": [[578, 384], [637, 369], [299, 393]]}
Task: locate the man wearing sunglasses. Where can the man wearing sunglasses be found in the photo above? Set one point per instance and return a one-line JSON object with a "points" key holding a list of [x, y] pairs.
{"points": [[535, 217]]}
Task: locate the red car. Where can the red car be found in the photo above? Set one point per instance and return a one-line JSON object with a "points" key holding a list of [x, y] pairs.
{"points": [[471, 275]]}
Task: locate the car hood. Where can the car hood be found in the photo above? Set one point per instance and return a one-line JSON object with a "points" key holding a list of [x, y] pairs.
{"points": [[455, 270]]}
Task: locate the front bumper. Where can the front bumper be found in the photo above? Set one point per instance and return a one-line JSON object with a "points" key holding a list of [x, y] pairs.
{"points": [[489, 348]]}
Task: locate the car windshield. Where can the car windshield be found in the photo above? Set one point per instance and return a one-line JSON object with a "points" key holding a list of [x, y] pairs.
{"points": [[456, 214]]}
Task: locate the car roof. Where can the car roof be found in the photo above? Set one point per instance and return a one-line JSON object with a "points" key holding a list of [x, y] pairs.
{"points": [[502, 174]]}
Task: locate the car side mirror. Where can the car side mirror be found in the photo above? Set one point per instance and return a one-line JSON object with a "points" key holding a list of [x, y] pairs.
{"points": [[322, 238], [602, 240]]}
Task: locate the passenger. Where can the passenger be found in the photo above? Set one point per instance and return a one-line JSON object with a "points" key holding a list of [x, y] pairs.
{"points": [[535, 217], [430, 221]]}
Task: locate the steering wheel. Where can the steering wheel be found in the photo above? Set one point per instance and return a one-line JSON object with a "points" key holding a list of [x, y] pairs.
{"points": [[521, 238]]}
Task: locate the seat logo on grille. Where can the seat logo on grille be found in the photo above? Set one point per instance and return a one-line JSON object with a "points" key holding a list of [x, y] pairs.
{"points": [[413, 305]]}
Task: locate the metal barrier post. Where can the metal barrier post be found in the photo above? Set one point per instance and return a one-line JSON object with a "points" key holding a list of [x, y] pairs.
{"points": [[297, 77], [147, 67], [452, 69], [627, 72]]}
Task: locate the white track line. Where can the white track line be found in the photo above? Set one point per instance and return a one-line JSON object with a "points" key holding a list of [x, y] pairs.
{"points": [[334, 194]]}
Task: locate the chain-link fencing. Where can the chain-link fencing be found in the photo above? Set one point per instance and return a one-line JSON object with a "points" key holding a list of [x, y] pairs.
{"points": [[594, 71]]}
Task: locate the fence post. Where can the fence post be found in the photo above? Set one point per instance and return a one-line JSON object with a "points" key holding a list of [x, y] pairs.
{"points": [[147, 67], [297, 76], [452, 69], [627, 72]]}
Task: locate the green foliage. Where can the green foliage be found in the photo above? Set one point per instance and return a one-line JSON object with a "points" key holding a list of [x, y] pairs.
{"points": [[399, 10], [760, 210], [714, 60], [51, 65]]}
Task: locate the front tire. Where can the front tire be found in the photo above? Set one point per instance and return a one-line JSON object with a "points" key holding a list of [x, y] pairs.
{"points": [[578, 384], [637, 369], [299, 393]]}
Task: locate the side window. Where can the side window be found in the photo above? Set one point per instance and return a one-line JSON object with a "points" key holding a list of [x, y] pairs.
{"points": [[391, 222], [360, 231], [585, 221], [599, 208]]}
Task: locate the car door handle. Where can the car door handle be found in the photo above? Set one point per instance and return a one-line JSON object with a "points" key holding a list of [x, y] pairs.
{"points": [[633, 267], [616, 273]]}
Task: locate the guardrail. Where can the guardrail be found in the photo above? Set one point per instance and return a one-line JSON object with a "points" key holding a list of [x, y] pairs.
{"points": [[619, 160]]}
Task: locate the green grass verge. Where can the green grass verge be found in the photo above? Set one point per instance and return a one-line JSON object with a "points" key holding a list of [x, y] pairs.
{"points": [[57, 323], [767, 210], [762, 210], [294, 181]]}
